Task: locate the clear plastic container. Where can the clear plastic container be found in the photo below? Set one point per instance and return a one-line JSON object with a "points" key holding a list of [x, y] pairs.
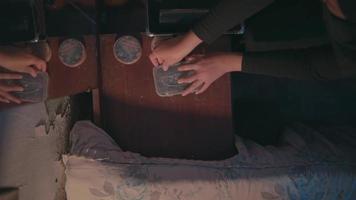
{"points": [[35, 89], [166, 82]]}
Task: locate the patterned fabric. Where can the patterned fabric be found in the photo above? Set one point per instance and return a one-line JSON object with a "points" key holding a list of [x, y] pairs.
{"points": [[307, 166]]}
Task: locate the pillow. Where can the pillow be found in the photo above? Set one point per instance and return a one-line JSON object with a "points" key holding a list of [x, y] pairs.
{"points": [[97, 169]]}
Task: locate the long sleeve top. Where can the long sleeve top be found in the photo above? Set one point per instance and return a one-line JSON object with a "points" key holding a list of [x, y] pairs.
{"points": [[333, 60]]}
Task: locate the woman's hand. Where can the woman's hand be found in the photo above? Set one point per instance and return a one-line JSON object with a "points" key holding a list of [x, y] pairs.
{"points": [[334, 8], [173, 50], [19, 61], [5, 90], [208, 69]]}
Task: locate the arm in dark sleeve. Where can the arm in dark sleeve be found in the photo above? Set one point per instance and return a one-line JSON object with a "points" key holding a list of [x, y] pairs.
{"points": [[226, 15], [307, 64]]}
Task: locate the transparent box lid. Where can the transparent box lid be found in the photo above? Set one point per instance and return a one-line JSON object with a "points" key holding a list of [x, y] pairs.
{"points": [[166, 82], [35, 89]]}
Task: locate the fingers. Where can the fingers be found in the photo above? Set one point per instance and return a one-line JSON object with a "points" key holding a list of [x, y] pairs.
{"points": [[29, 70], [193, 58], [7, 76], [5, 97], [157, 61], [192, 88], [189, 79], [3, 100], [165, 66], [202, 89], [34, 65], [9, 97], [154, 59], [39, 64], [188, 67], [6, 88], [189, 59]]}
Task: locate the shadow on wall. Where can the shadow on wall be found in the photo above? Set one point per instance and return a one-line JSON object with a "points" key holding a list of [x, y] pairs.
{"points": [[263, 106], [9, 193]]}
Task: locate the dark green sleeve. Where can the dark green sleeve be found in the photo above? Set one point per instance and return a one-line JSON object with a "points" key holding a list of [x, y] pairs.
{"points": [[226, 15], [308, 64], [342, 34]]}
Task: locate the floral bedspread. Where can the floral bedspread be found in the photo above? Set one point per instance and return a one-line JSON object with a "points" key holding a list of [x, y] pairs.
{"points": [[309, 164]]}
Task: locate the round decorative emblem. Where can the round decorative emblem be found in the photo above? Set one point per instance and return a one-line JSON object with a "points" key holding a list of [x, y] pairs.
{"points": [[72, 53], [127, 50]]}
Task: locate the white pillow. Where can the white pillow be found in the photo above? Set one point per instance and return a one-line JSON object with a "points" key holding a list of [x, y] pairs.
{"points": [[90, 179]]}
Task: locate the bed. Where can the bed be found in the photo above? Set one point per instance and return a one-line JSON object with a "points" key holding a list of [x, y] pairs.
{"points": [[308, 164]]}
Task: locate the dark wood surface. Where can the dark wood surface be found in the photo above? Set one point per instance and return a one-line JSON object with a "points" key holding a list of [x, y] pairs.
{"points": [[65, 80], [193, 127]]}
